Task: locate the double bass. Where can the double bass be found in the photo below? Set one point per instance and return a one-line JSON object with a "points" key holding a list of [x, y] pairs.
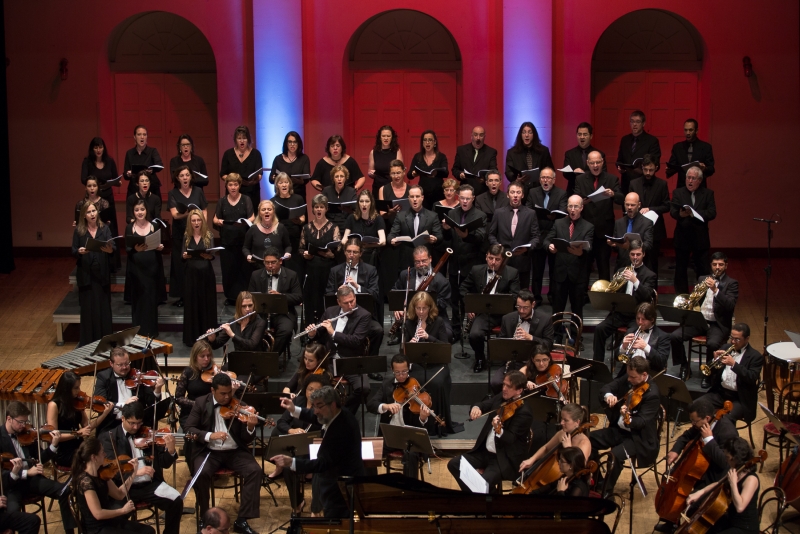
{"points": [[679, 481]]}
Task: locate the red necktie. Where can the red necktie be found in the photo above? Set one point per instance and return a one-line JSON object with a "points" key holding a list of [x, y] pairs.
{"points": [[571, 228]]}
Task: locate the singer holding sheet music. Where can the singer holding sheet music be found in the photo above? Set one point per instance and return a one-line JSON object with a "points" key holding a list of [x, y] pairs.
{"points": [[294, 163], [92, 275], [317, 235], [550, 198], [337, 193], [689, 150], [103, 167], [245, 161], [178, 200], [147, 272], [265, 233], [382, 157], [336, 151], [92, 196], [516, 226], [152, 203], [528, 153], [283, 201], [186, 156], [234, 211], [634, 146], [200, 295], [430, 166], [473, 158], [142, 157], [366, 222]]}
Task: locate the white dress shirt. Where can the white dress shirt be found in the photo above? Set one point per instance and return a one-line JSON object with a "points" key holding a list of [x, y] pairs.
{"points": [[728, 376]]}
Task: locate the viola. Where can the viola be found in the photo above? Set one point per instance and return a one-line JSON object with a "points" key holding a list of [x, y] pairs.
{"points": [[45, 433], [137, 378], [82, 401], [6, 457], [634, 397], [208, 375], [506, 412], [27, 436], [242, 412], [411, 393], [111, 467], [552, 373]]}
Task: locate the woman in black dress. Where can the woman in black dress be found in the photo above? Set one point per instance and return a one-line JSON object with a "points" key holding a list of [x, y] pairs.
{"points": [[92, 275], [245, 161], [62, 415], [337, 193], [294, 163], [103, 167], [248, 334], [93, 196], [266, 232], [527, 153], [283, 200], [186, 156], [151, 202], [441, 207], [179, 199], [430, 166], [231, 209], [390, 256], [337, 155], [571, 461], [385, 151], [313, 361], [317, 234], [366, 222], [200, 295], [144, 267]]}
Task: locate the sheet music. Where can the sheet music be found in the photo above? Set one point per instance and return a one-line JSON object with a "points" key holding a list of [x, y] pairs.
{"points": [[472, 478], [367, 452]]}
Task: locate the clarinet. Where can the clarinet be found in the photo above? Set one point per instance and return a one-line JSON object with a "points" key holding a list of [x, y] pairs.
{"points": [[488, 289], [422, 287], [415, 339]]}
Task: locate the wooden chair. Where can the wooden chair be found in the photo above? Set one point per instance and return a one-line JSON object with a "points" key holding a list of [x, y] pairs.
{"points": [[38, 502], [788, 411], [779, 498]]}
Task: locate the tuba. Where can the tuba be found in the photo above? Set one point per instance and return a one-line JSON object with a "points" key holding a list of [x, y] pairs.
{"points": [[617, 281]]}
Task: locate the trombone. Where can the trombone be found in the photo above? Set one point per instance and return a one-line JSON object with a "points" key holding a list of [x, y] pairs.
{"points": [[716, 363]]}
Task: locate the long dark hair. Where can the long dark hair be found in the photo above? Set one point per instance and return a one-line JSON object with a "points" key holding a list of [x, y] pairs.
{"points": [[63, 394], [90, 447], [435, 142], [574, 457], [536, 143], [393, 146], [97, 141], [299, 143]]}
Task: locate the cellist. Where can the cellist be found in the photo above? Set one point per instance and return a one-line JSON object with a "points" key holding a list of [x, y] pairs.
{"points": [[572, 416], [713, 433]]}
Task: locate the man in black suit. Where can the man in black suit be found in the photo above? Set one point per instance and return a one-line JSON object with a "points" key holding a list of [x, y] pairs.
{"points": [[688, 151], [639, 282], [467, 246], [717, 307], [599, 210], [411, 223], [571, 274], [110, 383], [345, 338], [691, 238], [549, 197], [142, 155], [472, 158], [632, 222], [339, 453], [221, 442], [652, 342], [526, 323], [513, 226], [654, 196], [736, 379], [576, 158], [26, 478], [498, 454], [476, 282], [148, 480], [494, 198], [278, 280], [362, 278], [639, 437], [634, 146]]}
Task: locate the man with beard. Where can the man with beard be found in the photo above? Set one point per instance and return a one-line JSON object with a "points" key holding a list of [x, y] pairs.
{"points": [[654, 196], [549, 197], [690, 150], [578, 156], [634, 146], [494, 198], [472, 158]]}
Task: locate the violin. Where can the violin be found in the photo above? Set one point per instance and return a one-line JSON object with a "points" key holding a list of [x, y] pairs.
{"points": [[146, 437], [552, 374], [634, 397], [243, 412], [506, 412], [208, 375], [412, 391], [82, 401], [137, 378], [45, 433], [680, 479], [6, 458], [27, 436], [111, 467]]}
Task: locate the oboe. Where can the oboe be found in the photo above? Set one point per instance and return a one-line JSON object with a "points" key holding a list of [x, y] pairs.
{"points": [[415, 339]]}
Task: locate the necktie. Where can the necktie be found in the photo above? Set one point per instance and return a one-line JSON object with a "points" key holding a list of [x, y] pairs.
{"points": [[529, 159], [633, 146], [630, 225], [416, 223], [463, 217], [475, 157], [494, 202], [692, 198], [583, 158], [571, 228], [690, 153], [514, 220], [546, 198]]}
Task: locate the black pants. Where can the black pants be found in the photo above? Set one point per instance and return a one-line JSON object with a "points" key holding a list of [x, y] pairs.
{"points": [[618, 441], [477, 334], [651, 257], [716, 335], [284, 327], [606, 329], [480, 459], [456, 300], [601, 253], [20, 522], [574, 291], [125, 526], [540, 257], [172, 509], [702, 266], [235, 271], [718, 397], [39, 485], [242, 462], [375, 336]]}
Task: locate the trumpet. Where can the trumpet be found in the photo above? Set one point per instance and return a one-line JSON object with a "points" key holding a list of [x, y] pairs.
{"points": [[628, 352], [318, 326], [220, 328], [716, 363]]}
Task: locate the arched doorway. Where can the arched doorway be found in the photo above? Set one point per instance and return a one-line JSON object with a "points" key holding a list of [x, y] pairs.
{"points": [[165, 78], [405, 71]]}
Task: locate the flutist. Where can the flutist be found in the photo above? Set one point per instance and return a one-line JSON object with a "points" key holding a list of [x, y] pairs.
{"points": [[645, 340]]}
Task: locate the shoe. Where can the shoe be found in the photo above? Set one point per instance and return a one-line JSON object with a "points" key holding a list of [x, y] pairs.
{"points": [[706, 383], [376, 376], [178, 303], [299, 510], [665, 526], [230, 302], [394, 340], [685, 373], [241, 526], [478, 366]]}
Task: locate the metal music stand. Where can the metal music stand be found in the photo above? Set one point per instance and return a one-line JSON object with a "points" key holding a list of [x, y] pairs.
{"points": [[397, 298], [117, 339], [684, 318], [410, 440], [784, 434], [363, 300], [261, 365], [672, 387], [269, 303], [359, 365], [507, 350], [544, 409], [428, 353], [598, 372]]}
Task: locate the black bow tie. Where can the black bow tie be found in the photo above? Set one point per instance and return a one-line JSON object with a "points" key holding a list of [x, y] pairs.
{"points": [[525, 321], [128, 435], [489, 272], [120, 377]]}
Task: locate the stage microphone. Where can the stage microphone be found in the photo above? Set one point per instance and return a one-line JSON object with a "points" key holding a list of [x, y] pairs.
{"points": [[766, 220]]}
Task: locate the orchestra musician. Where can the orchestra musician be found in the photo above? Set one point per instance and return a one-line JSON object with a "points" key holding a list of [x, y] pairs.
{"points": [[475, 282], [634, 146], [640, 282], [638, 435], [148, 480], [570, 462], [631, 222], [246, 334], [652, 343], [540, 369], [472, 158], [736, 376], [26, 478], [654, 196], [276, 279], [494, 198], [411, 223], [224, 443], [313, 362], [214, 521], [717, 307], [503, 441], [110, 384], [550, 197], [525, 323], [690, 150], [19, 522], [572, 416], [339, 453]]}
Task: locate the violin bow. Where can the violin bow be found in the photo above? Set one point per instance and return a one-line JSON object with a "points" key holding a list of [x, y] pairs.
{"points": [[119, 467], [236, 415], [323, 361], [91, 397], [36, 425], [422, 388], [405, 307]]}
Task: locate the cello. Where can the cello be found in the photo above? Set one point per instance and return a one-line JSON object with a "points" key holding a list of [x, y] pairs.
{"points": [[788, 479], [679, 481]]}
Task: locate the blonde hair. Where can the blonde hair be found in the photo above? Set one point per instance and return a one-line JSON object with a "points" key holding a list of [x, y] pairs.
{"points": [[448, 183], [424, 298], [208, 238], [82, 227], [275, 220], [281, 177], [199, 348], [342, 169], [240, 298], [233, 177]]}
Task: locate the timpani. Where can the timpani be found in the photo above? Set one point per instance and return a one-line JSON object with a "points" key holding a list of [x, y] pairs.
{"points": [[782, 366]]}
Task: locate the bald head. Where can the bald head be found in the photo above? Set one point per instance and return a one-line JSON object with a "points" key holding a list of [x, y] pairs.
{"points": [[595, 162], [478, 136], [574, 207], [632, 204]]}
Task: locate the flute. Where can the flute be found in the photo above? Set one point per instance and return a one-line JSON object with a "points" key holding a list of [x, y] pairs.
{"points": [[318, 326], [220, 328]]}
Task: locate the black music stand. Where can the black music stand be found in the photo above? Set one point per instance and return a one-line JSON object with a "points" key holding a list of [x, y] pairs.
{"points": [[269, 303], [544, 409], [264, 403], [117, 339], [363, 300], [397, 298], [613, 302], [359, 365], [412, 441], [598, 372], [498, 304], [261, 365], [507, 350], [784, 434], [428, 353], [672, 387], [292, 445]]}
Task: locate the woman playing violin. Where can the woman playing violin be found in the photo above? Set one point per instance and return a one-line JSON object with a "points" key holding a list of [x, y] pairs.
{"points": [[95, 495], [571, 462], [247, 334], [540, 370], [572, 416], [62, 415], [313, 362]]}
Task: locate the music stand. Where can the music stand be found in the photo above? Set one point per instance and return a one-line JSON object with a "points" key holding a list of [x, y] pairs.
{"points": [[428, 353], [268, 303], [410, 440], [784, 434], [672, 387], [117, 339], [684, 318], [544, 409], [613, 302], [479, 303], [292, 445], [363, 300], [261, 365], [598, 372], [507, 350], [359, 365], [264, 403], [397, 298]]}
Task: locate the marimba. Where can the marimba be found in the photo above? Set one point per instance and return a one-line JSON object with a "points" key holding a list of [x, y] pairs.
{"points": [[82, 360]]}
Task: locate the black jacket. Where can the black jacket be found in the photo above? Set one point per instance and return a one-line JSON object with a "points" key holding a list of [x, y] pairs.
{"points": [[163, 459], [350, 341], [557, 201], [105, 385], [725, 300], [644, 423], [648, 281], [475, 282], [512, 446], [653, 194], [366, 277], [487, 159], [517, 161], [403, 225], [29, 451], [701, 151], [484, 203], [287, 285], [527, 232], [440, 285], [723, 430], [642, 226], [691, 234], [467, 251], [659, 349], [599, 212], [437, 331], [385, 395], [202, 421], [748, 373], [541, 327], [569, 266], [645, 144]]}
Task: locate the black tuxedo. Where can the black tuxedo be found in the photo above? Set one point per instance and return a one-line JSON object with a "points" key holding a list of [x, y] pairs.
{"points": [[601, 214], [540, 327], [556, 201], [366, 278], [718, 466], [642, 226], [653, 194], [105, 385], [571, 273], [466, 161], [517, 161], [527, 232], [574, 157], [659, 349], [385, 395], [691, 236], [489, 205], [467, 252], [701, 151], [288, 286], [748, 373], [645, 144], [339, 454], [512, 446], [439, 285], [403, 225]]}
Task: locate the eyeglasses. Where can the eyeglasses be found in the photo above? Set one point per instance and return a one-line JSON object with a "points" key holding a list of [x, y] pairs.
{"points": [[291, 142], [400, 373], [523, 307], [185, 144], [21, 422]]}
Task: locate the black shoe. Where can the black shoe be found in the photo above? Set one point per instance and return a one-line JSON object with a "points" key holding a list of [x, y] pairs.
{"points": [[178, 303], [478, 366], [394, 340], [376, 376], [706, 383], [685, 373], [230, 302], [665, 526], [242, 527]]}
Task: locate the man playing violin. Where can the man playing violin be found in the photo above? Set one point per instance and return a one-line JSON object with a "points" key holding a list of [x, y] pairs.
{"points": [[110, 384], [224, 443], [502, 444], [148, 480], [633, 405], [383, 401], [26, 477]]}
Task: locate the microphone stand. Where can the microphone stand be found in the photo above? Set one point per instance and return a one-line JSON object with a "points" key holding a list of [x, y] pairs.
{"points": [[768, 273]]}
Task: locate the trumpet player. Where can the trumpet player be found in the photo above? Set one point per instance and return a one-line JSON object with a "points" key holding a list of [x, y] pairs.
{"points": [[645, 340], [640, 282], [721, 293], [735, 375]]}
